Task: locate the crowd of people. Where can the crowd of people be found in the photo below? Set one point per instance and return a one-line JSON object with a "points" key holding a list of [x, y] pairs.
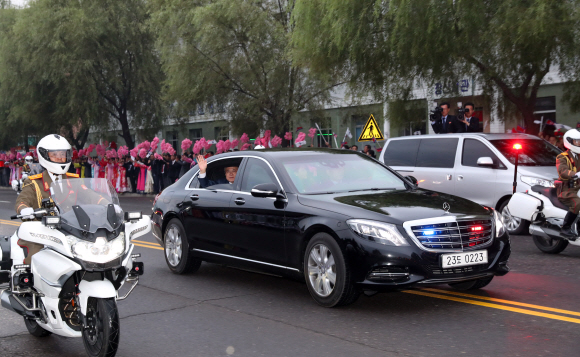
{"points": [[143, 169]]}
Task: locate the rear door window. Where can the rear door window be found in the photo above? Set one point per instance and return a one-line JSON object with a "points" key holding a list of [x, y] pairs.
{"points": [[473, 150], [402, 152], [437, 152]]}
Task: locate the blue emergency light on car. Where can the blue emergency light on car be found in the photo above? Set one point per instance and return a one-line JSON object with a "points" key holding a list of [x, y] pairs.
{"points": [[428, 233]]}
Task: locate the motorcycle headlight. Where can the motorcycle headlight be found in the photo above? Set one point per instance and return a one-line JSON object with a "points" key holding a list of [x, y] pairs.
{"points": [[99, 251], [499, 224], [533, 181], [379, 232]]}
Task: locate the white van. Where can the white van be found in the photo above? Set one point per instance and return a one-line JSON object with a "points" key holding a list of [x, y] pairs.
{"points": [[476, 166]]}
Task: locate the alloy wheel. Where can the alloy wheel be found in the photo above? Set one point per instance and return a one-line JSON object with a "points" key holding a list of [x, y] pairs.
{"points": [[321, 270], [512, 223], [173, 247]]}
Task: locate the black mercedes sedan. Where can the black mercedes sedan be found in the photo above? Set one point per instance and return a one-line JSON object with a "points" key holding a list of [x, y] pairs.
{"points": [[343, 221]]}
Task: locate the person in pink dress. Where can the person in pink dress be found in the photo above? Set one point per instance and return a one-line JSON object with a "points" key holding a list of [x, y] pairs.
{"points": [[141, 180]]}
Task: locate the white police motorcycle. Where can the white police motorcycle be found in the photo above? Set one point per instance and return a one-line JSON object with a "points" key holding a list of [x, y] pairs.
{"points": [[541, 206], [71, 287]]}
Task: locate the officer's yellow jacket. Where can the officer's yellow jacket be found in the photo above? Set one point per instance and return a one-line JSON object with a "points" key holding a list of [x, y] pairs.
{"points": [[34, 189]]}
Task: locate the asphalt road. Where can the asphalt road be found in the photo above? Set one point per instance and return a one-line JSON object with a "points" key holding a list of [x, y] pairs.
{"points": [[221, 311]]}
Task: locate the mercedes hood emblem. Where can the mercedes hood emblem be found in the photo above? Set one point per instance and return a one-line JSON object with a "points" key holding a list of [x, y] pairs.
{"points": [[446, 207]]}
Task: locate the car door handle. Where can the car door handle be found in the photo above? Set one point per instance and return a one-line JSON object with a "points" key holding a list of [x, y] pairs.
{"points": [[459, 177], [194, 197], [239, 201]]}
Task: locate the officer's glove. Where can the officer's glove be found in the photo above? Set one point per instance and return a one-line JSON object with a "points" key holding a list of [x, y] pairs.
{"points": [[27, 213], [577, 174]]}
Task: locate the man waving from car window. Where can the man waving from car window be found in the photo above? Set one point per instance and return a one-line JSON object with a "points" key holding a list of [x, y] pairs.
{"points": [[230, 172]]}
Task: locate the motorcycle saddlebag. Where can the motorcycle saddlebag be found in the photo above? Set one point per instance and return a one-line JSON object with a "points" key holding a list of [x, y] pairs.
{"points": [[524, 206], [5, 262]]}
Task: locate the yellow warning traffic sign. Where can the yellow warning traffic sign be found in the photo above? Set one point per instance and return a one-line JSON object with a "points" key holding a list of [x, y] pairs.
{"points": [[371, 130]]}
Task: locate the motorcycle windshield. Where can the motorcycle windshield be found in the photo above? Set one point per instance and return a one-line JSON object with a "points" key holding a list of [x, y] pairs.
{"points": [[87, 203]]}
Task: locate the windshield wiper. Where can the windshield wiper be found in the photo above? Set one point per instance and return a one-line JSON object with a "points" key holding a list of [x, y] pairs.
{"points": [[374, 189], [321, 193]]}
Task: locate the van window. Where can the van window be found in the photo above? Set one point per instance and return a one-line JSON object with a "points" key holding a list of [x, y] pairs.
{"points": [[473, 150], [437, 152], [402, 152]]}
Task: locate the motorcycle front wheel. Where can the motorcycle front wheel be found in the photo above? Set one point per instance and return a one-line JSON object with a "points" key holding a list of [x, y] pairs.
{"points": [[101, 335]]}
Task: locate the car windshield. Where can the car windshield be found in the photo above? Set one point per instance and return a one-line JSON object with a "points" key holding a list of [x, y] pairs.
{"points": [[91, 196], [330, 173], [534, 152]]}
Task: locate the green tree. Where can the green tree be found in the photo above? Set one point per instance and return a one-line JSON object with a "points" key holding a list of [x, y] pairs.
{"points": [[235, 54], [385, 46], [71, 66]]}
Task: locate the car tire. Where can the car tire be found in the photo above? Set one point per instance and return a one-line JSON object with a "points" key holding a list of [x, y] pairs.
{"points": [[327, 273], [472, 284], [176, 249], [515, 226], [550, 245]]}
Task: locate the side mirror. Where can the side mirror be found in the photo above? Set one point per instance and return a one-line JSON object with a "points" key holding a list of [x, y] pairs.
{"points": [[265, 190], [485, 161], [413, 180]]}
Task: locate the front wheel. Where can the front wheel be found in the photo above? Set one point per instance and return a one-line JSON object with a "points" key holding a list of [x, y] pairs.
{"points": [[514, 225], [101, 335], [327, 273], [550, 245]]}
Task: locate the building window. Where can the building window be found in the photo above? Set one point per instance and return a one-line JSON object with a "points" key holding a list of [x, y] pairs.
{"points": [[172, 139], [200, 110], [545, 110], [211, 109], [195, 134], [221, 133]]}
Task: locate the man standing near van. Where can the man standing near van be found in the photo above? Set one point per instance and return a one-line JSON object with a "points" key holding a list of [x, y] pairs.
{"points": [[449, 123], [470, 123]]}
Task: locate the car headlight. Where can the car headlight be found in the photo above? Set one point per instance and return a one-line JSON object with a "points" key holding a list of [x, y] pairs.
{"points": [[499, 224], [533, 181], [379, 232], [99, 251]]}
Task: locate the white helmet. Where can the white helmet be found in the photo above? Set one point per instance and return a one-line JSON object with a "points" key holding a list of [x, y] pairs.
{"points": [[54, 154], [572, 140], [28, 159]]}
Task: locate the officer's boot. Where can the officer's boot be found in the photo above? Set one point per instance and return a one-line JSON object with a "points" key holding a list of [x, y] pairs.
{"points": [[566, 230]]}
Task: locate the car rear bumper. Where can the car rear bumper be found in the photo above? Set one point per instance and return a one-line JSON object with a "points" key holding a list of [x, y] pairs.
{"points": [[156, 227]]}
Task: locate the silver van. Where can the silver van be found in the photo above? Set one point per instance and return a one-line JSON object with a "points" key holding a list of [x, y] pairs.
{"points": [[476, 166]]}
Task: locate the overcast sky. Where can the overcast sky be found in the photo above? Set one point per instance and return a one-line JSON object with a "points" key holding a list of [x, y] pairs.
{"points": [[18, 2]]}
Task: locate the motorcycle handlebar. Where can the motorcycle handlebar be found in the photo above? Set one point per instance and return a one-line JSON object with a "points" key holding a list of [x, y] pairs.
{"points": [[38, 212]]}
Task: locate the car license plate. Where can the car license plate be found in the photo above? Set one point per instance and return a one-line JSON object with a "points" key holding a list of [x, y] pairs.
{"points": [[463, 259]]}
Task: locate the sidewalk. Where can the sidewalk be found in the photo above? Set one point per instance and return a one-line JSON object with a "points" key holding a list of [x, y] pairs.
{"points": [[124, 194]]}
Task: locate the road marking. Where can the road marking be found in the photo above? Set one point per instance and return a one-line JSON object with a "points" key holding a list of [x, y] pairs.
{"points": [[147, 246], [567, 312], [145, 242], [495, 306], [12, 223], [5, 202]]}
